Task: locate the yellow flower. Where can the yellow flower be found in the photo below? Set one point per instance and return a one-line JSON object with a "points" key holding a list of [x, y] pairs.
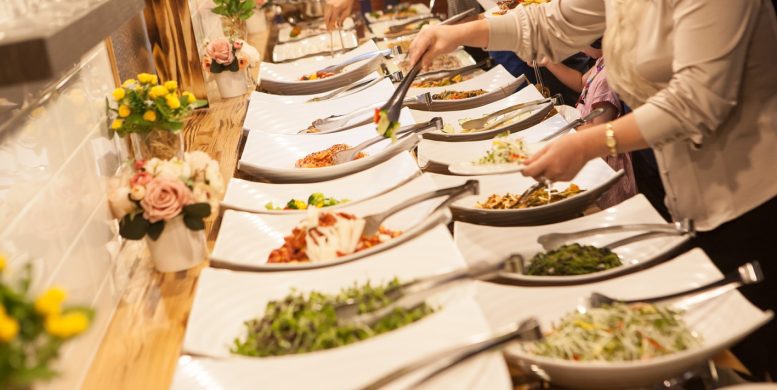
{"points": [[117, 123], [9, 328], [68, 325], [149, 116], [3, 262], [50, 302], [189, 97], [118, 94], [124, 111], [128, 82], [171, 85], [173, 101], [147, 78], [157, 91]]}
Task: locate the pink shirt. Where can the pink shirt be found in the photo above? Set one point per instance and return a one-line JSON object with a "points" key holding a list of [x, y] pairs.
{"points": [[596, 90]]}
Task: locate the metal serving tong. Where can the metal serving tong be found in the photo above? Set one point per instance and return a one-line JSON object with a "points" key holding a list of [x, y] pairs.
{"points": [[416, 292], [335, 123], [336, 68], [373, 222], [349, 154], [452, 20], [479, 123], [394, 105], [441, 74], [553, 241], [437, 363], [574, 124], [748, 273], [356, 86]]}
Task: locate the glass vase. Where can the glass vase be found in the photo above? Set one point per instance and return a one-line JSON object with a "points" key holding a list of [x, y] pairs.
{"points": [[162, 144], [234, 28]]}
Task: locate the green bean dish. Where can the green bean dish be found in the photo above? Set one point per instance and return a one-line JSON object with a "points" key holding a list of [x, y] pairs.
{"points": [[573, 259]]}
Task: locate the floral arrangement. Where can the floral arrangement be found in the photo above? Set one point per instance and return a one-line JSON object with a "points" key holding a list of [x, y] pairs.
{"points": [[32, 331], [149, 193], [223, 54], [143, 105]]}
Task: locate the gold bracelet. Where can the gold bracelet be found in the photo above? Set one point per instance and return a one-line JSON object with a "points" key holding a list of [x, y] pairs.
{"points": [[609, 134]]}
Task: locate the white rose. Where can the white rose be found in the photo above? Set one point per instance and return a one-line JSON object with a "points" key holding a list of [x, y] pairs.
{"points": [[151, 165], [198, 160], [213, 176], [120, 203], [203, 193], [137, 192], [170, 170]]}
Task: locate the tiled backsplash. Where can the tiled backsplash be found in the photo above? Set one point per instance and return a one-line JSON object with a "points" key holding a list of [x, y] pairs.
{"points": [[54, 167]]}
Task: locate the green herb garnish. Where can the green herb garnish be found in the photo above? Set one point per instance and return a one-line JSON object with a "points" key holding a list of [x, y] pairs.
{"points": [[315, 199], [573, 259], [303, 323]]}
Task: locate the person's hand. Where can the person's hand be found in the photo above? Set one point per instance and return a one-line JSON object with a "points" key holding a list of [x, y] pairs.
{"points": [[561, 160], [431, 42], [335, 12]]}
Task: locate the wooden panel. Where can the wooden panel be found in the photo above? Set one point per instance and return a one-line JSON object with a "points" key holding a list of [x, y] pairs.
{"points": [[173, 45]]}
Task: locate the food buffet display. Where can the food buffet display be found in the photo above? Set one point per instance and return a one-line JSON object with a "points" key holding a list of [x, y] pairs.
{"points": [[299, 210]]}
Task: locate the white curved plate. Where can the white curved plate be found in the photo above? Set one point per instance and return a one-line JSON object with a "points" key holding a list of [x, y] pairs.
{"points": [[498, 83], [595, 177], [284, 32], [283, 115], [526, 94], [263, 97], [482, 243], [272, 157], [246, 239], [284, 78], [315, 44], [380, 29], [253, 196], [421, 9], [713, 320]]}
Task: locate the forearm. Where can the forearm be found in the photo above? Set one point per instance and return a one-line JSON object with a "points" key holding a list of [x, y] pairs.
{"points": [[473, 34], [570, 77], [627, 137]]}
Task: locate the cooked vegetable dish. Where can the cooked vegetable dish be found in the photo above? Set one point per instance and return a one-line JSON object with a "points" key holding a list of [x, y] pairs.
{"points": [[504, 151], [303, 323], [537, 197], [385, 126], [573, 259], [506, 5], [456, 95], [326, 236], [443, 82], [443, 62], [324, 158], [394, 13], [316, 76], [618, 333], [315, 199]]}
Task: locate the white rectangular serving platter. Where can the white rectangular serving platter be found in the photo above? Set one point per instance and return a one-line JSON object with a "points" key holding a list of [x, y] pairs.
{"points": [[314, 44], [262, 97], [488, 243], [282, 115], [272, 157], [284, 30], [421, 9]]}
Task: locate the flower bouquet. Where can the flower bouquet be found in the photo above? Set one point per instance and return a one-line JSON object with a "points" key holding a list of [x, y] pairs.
{"points": [[32, 331], [166, 202], [227, 61], [152, 114]]}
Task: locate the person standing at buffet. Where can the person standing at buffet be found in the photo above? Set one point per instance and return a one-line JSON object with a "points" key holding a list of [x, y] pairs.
{"points": [[697, 74]]}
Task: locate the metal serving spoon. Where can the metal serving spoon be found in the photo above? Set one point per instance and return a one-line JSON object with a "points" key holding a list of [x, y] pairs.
{"points": [[449, 73], [748, 273], [338, 67], [349, 154], [574, 124]]}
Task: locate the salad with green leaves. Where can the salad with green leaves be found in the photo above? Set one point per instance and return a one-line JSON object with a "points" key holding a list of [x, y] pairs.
{"points": [[573, 259], [315, 199]]}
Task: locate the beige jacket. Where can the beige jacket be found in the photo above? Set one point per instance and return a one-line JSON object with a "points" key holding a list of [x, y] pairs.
{"points": [[697, 73]]}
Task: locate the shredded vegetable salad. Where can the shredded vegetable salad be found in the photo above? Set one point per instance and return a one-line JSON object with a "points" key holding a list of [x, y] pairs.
{"points": [[618, 333], [504, 151]]}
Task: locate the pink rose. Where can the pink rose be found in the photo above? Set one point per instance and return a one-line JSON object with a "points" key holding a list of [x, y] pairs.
{"points": [[140, 179], [237, 45], [164, 199], [221, 51]]}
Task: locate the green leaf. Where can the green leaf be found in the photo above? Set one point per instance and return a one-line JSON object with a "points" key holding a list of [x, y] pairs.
{"points": [[193, 223], [220, 10], [133, 226], [155, 229], [234, 66], [197, 210]]}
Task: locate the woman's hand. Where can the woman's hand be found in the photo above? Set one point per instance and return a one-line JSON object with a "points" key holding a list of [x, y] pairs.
{"points": [[561, 160], [336, 11], [431, 42]]}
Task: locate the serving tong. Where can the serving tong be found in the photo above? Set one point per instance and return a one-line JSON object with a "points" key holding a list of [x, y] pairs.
{"points": [[574, 124], [336, 123], [441, 74], [553, 241], [336, 68], [480, 123], [349, 154], [399, 27], [525, 331], [355, 87], [748, 273]]}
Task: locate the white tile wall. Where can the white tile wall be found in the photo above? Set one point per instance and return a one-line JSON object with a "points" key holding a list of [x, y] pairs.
{"points": [[53, 172]]}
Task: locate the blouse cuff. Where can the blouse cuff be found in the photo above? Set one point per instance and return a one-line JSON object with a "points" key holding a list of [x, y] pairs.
{"points": [[657, 126], [502, 32]]}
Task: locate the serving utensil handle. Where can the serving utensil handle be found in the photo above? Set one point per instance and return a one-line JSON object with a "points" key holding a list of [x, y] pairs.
{"points": [[575, 123], [554, 240]]}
